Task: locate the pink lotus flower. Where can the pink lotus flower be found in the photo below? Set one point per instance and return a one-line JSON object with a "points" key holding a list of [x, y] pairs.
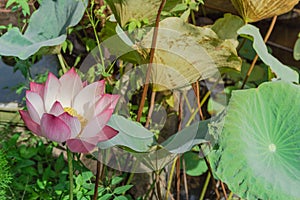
{"points": [[68, 110]]}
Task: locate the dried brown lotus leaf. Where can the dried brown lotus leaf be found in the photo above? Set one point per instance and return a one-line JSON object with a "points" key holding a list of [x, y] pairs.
{"points": [[186, 53], [255, 10]]}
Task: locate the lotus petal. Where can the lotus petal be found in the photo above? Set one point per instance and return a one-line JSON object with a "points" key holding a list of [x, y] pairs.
{"points": [[37, 88], [80, 146], [55, 128], [35, 106], [32, 125], [84, 102], [107, 101], [51, 90], [72, 122], [56, 109], [95, 126], [71, 85]]}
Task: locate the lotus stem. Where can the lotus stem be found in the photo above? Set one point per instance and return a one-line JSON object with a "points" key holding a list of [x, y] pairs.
{"points": [[178, 180], [152, 51], [62, 62], [157, 174], [98, 174], [152, 103], [171, 178], [70, 165], [230, 196], [205, 186], [185, 180]]}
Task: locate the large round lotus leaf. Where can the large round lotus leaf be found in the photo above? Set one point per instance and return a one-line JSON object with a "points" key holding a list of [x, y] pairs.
{"points": [[47, 28], [259, 147], [255, 10]]}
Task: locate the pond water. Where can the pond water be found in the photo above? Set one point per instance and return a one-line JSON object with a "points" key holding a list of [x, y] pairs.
{"points": [[10, 79]]}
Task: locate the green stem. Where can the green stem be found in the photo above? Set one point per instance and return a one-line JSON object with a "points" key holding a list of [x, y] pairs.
{"points": [[205, 186], [94, 26], [230, 196], [171, 178], [70, 165], [62, 63]]}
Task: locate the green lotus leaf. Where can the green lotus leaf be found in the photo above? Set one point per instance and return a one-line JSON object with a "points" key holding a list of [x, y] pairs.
{"points": [[136, 137], [227, 27], [186, 53], [296, 52], [45, 28], [194, 165], [259, 146], [131, 134], [282, 71], [187, 138]]}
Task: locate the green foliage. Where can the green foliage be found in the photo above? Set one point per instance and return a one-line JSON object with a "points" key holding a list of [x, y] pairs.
{"points": [[259, 143], [16, 4], [194, 165], [255, 146], [5, 176], [37, 35], [282, 71], [131, 135], [296, 52], [227, 27]]}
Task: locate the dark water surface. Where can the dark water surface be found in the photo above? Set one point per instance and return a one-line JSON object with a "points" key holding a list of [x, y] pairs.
{"points": [[10, 79]]}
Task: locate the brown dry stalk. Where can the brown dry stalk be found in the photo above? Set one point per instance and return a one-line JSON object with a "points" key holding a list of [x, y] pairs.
{"points": [[152, 51]]}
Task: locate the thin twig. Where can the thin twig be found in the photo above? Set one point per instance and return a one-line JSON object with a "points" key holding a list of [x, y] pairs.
{"points": [[98, 174], [224, 190], [185, 180], [152, 51], [70, 166], [151, 108], [197, 92], [256, 57], [205, 159], [178, 157], [178, 178], [157, 174]]}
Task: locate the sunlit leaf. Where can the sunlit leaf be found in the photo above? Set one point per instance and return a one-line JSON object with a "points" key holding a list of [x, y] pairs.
{"points": [[259, 145], [227, 27], [187, 138], [45, 28], [127, 10], [282, 71], [186, 53], [296, 52], [255, 10], [131, 135], [194, 164]]}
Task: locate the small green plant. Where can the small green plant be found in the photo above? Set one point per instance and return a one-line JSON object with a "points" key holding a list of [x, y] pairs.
{"points": [[16, 4], [5, 176]]}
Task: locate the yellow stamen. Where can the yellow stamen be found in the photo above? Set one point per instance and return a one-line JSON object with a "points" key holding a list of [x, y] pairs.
{"points": [[73, 112]]}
